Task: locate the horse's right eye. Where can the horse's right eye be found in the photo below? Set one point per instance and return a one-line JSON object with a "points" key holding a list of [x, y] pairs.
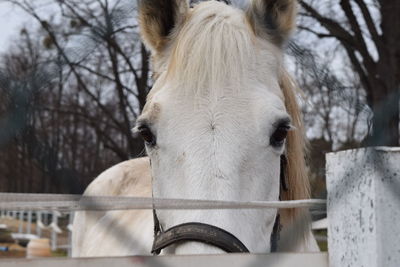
{"points": [[278, 137], [147, 135]]}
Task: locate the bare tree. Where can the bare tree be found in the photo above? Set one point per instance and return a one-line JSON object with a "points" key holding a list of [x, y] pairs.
{"points": [[91, 75], [103, 46], [368, 31]]}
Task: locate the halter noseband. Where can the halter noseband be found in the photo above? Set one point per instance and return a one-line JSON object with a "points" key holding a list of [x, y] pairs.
{"points": [[199, 232], [210, 234]]}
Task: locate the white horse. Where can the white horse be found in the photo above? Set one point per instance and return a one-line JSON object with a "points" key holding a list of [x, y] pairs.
{"points": [[220, 115]]}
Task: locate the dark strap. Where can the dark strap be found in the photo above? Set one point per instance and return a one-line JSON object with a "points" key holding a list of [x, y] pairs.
{"points": [[283, 174], [157, 225], [199, 232], [275, 235]]}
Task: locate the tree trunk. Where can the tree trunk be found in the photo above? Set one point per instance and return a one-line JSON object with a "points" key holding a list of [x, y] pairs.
{"points": [[386, 106], [385, 129]]}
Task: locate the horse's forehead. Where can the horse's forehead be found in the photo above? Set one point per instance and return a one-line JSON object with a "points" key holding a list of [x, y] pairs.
{"points": [[166, 103]]}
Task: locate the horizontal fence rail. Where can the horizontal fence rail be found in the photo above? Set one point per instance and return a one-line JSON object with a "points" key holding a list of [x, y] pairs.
{"points": [[232, 260], [17, 201]]}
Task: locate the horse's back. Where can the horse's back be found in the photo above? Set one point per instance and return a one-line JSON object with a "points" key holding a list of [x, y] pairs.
{"points": [[120, 232]]}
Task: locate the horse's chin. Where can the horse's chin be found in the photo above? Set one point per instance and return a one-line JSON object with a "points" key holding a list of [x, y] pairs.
{"points": [[190, 248]]}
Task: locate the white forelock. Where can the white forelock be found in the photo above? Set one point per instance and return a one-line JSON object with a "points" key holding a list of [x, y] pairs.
{"points": [[217, 53]]}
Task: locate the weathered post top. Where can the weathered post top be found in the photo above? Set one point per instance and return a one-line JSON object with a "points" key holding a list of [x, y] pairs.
{"points": [[364, 207]]}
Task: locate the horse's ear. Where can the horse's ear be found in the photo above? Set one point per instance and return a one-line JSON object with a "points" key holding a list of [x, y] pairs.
{"points": [[158, 19], [274, 19]]}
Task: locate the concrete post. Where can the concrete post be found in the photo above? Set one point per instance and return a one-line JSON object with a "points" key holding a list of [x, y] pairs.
{"points": [[364, 207]]}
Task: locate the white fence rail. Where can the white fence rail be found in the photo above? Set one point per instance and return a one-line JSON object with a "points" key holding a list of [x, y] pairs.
{"points": [[15, 205], [11, 201], [231, 260]]}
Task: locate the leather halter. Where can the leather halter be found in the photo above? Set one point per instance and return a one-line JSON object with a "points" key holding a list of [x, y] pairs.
{"points": [[210, 234], [200, 232]]}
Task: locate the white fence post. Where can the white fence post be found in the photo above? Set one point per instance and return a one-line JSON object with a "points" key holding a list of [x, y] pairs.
{"points": [[29, 223], [53, 232], [69, 228], [21, 222], [55, 229], [364, 207], [39, 223]]}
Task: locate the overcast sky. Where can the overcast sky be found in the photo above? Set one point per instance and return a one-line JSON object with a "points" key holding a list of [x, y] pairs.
{"points": [[12, 20]]}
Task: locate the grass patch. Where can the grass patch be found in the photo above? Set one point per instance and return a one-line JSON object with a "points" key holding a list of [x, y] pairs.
{"points": [[319, 235], [59, 253]]}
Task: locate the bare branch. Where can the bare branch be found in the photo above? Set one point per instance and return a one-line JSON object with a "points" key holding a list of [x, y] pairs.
{"points": [[356, 28], [370, 22]]}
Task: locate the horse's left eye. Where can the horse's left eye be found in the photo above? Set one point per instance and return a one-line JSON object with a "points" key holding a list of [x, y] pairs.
{"points": [[278, 137], [147, 135]]}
